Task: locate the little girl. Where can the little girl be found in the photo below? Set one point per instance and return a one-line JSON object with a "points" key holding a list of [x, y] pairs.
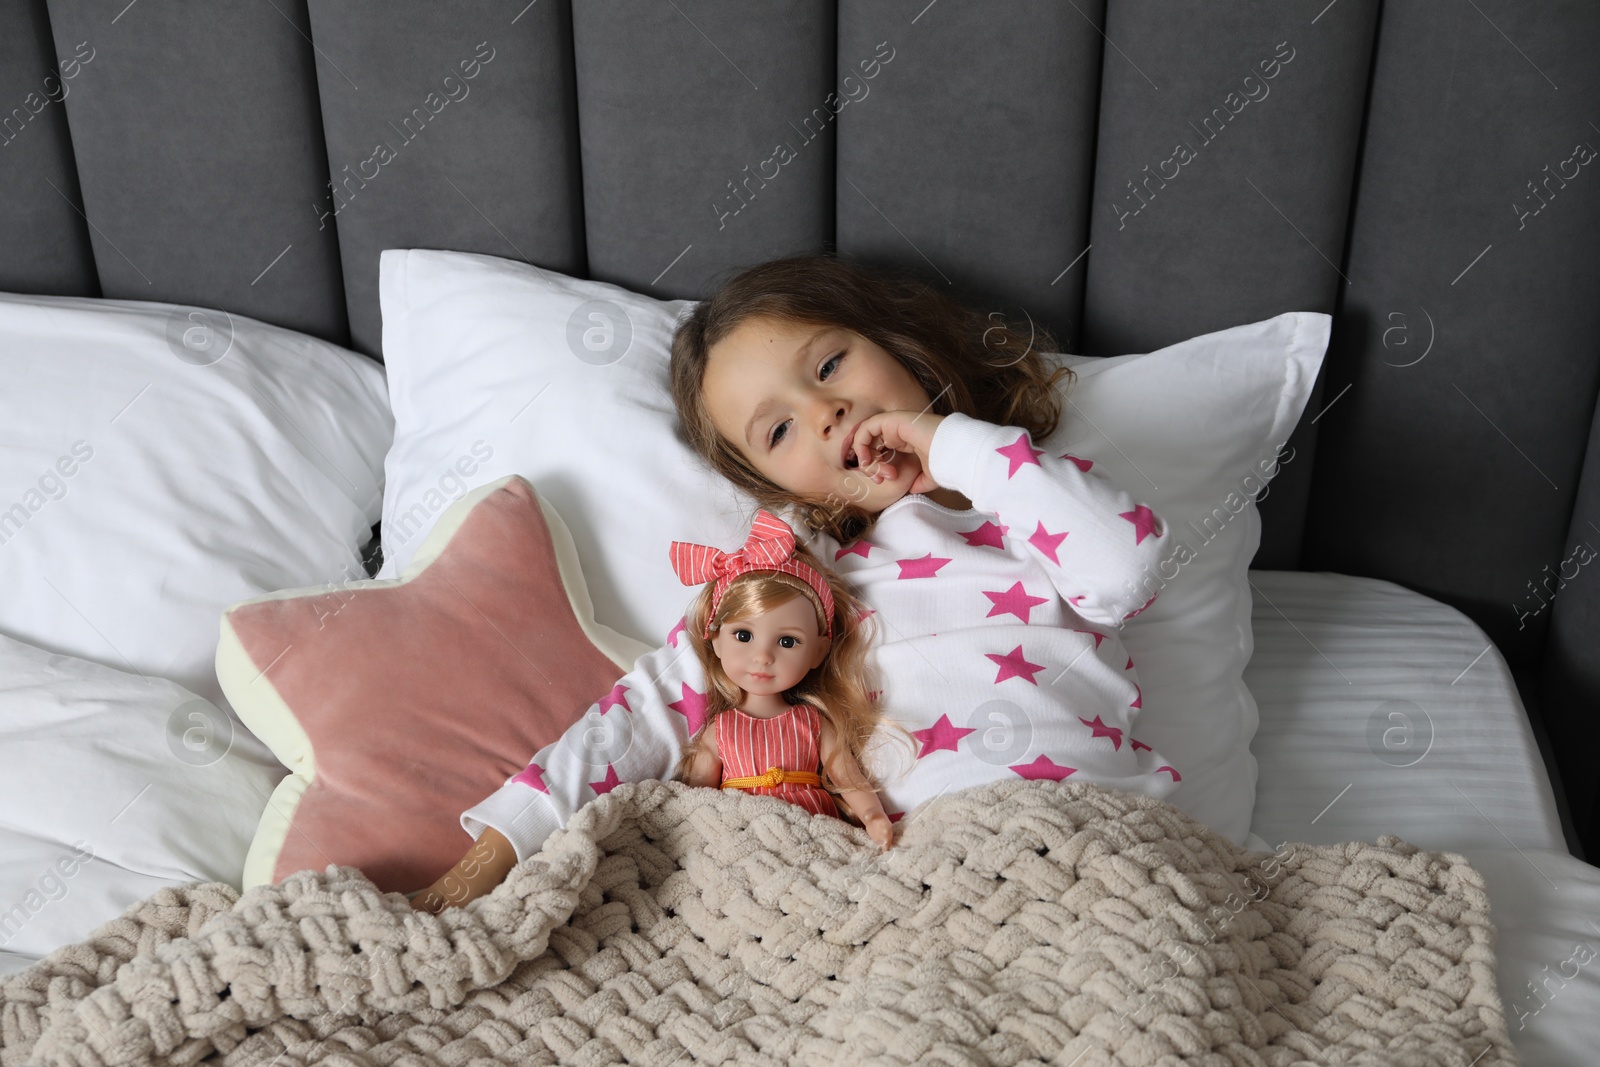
{"points": [[783, 649], [901, 431]]}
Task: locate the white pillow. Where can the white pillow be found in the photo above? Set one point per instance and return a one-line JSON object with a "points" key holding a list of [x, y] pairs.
{"points": [[1196, 430], [496, 367], [159, 462], [111, 787]]}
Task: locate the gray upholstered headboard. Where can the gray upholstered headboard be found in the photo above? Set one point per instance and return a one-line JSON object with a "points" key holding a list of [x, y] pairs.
{"points": [[1129, 173]]}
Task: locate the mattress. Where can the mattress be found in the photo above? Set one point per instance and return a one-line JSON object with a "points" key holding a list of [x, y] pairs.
{"points": [[1384, 711]]}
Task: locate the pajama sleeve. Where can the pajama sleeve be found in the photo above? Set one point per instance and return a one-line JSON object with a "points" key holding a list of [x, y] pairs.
{"points": [[1095, 540], [635, 732]]}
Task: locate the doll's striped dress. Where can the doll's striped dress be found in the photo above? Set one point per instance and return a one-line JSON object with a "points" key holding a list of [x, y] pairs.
{"points": [[792, 740]]}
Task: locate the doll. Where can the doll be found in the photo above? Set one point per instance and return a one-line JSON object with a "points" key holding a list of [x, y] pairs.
{"points": [[783, 645]]}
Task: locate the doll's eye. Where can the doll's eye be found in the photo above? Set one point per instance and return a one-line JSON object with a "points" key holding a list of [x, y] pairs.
{"points": [[741, 635], [788, 641]]}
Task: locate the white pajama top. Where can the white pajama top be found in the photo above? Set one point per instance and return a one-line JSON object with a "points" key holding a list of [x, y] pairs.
{"points": [[997, 645]]}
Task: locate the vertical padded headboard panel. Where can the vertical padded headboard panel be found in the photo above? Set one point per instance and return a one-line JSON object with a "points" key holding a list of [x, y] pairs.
{"points": [[1569, 688], [967, 155], [45, 242], [1227, 153], [449, 125], [680, 107], [199, 151], [1469, 330]]}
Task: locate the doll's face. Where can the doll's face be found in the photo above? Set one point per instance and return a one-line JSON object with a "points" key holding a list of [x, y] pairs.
{"points": [[770, 653]]}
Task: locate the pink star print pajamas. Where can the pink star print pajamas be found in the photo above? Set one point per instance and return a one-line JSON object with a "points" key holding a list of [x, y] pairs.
{"points": [[997, 644]]}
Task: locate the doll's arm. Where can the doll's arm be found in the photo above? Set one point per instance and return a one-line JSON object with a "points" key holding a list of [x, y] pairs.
{"points": [[485, 866], [854, 788], [706, 767]]}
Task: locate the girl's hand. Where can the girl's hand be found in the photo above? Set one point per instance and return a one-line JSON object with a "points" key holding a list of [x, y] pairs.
{"points": [[484, 866], [893, 432], [430, 900], [880, 829]]}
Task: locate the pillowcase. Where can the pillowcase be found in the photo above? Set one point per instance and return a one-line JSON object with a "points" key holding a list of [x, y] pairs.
{"points": [[1197, 430], [160, 462], [399, 704], [112, 786], [497, 367]]}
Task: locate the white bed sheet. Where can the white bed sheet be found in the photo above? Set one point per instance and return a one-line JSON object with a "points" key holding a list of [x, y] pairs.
{"points": [[1384, 711]]}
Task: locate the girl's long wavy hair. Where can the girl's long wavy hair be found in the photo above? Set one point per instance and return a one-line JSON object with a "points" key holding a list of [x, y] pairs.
{"points": [[837, 688], [967, 360]]}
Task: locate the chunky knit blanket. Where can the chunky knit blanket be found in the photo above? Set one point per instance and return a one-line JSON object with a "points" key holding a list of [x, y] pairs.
{"points": [[1022, 922]]}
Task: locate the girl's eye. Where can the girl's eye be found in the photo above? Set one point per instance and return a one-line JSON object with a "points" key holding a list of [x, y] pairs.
{"points": [[787, 641], [777, 431], [741, 635]]}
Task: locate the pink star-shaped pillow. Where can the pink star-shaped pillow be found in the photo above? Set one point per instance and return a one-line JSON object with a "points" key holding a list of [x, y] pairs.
{"points": [[398, 704]]}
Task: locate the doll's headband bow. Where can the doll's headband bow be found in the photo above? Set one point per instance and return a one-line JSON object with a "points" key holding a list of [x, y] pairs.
{"points": [[770, 547]]}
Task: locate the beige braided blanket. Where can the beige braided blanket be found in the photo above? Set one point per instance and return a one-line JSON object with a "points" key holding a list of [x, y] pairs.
{"points": [[1023, 922]]}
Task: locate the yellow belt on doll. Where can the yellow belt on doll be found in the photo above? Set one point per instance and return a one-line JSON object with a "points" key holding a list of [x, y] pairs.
{"points": [[771, 777]]}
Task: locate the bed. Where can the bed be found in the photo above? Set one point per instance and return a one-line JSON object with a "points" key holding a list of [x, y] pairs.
{"points": [[1446, 461], [1472, 782], [1319, 670]]}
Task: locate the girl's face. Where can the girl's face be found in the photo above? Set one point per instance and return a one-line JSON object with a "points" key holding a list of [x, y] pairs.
{"points": [[771, 652], [788, 396]]}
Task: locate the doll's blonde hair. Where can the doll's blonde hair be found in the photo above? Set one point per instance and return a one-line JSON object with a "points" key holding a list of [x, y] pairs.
{"points": [[837, 688]]}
